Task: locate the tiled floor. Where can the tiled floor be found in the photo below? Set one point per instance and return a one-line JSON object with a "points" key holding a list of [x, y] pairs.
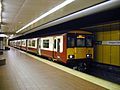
{"points": [[22, 72]]}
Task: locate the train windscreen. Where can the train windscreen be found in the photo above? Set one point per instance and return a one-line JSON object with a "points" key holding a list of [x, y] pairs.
{"points": [[79, 40], [89, 40], [70, 40]]}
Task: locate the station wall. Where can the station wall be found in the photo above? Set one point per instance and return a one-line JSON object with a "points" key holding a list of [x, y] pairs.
{"points": [[105, 53]]}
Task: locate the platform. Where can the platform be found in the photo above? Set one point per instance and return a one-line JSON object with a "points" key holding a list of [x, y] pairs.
{"points": [[23, 72]]}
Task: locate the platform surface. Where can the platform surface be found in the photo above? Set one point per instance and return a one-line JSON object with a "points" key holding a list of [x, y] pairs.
{"points": [[23, 72]]}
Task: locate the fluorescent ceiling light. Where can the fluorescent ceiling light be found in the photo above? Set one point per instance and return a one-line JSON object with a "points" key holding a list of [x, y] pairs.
{"points": [[3, 35], [66, 2], [0, 10]]}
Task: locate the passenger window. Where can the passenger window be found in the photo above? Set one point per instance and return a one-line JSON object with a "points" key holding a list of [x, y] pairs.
{"points": [[29, 42], [89, 42], [45, 43], [33, 43], [24, 43], [70, 42]]}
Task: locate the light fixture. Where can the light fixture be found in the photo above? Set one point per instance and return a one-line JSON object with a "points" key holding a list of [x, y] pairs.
{"points": [[0, 10], [66, 2], [3, 35]]}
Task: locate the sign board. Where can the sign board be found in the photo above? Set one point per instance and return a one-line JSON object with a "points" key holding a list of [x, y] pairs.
{"points": [[111, 42], [98, 42]]}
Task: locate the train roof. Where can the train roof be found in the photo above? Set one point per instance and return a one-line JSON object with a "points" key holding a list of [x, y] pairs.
{"points": [[80, 32]]}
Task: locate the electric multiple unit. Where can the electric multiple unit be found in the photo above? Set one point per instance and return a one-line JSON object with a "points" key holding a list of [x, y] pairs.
{"points": [[74, 48]]}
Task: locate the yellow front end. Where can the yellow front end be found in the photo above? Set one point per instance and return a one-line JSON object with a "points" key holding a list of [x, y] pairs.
{"points": [[79, 53]]}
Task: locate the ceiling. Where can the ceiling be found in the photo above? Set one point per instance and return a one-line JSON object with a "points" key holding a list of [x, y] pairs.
{"points": [[18, 13]]}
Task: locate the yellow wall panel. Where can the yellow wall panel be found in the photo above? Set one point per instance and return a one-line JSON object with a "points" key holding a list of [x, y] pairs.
{"points": [[99, 54], [106, 36], [99, 36], [115, 35], [119, 56], [106, 54], [115, 55]]}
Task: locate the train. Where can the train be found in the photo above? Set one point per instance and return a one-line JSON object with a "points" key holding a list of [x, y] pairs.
{"points": [[73, 48]]}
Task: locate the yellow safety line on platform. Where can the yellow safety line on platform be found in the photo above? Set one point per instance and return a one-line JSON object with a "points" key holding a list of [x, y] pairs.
{"points": [[92, 79]]}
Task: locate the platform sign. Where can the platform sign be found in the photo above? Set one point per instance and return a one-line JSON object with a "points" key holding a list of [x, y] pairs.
{"points": [[98, 42], [111, 42]]}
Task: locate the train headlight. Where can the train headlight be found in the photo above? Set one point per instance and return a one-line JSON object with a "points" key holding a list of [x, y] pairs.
{"points": [[88, 55], [71, 56]]}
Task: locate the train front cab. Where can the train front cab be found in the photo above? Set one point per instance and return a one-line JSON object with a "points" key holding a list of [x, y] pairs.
{"points": [[79, 49]]}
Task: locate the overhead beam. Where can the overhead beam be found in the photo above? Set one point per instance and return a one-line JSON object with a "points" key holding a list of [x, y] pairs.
{"points": [[9, 33]]}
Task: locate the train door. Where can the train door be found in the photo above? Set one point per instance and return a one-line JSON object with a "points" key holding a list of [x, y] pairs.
{"points": [[58, 45], [58, 48], [39, 47], [56, 53]]}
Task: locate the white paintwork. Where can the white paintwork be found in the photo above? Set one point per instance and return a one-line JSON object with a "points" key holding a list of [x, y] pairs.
{"points": [[19, 42], [61, 43], [51, 41], [24, 42]]}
